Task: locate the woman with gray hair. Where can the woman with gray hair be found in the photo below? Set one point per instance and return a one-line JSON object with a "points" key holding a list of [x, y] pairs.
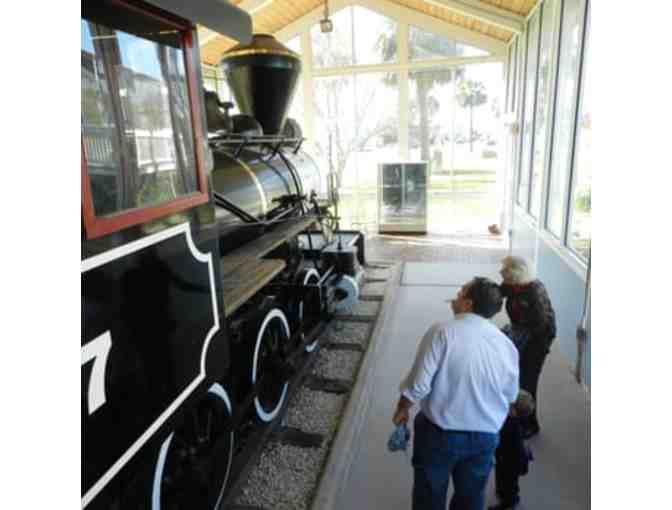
{"points": [[532, 328]]}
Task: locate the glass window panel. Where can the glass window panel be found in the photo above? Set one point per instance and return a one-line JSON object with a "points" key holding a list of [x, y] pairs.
{"points": [[356, 123], [375, 140], [579, 233], [423, 45], [521, 43], [478, 151], [568, 69], [334, 49], [334, 122], [432, 117], [541, 121], [529, 106], [136, 117], [296, 107], [294, 44], [459, 132], [375, 37]]}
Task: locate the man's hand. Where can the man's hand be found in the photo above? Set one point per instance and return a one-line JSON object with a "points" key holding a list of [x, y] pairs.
{"points": [[401, 414]]}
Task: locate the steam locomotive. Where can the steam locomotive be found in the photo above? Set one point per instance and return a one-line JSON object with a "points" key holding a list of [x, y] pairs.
{"points": [[207, 265]]}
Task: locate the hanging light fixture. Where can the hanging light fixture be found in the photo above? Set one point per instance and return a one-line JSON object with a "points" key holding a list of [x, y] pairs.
{"points": [[326, 25]]}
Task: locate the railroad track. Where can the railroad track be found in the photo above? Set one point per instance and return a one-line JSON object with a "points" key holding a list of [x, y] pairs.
{"points": [[322, 383]]}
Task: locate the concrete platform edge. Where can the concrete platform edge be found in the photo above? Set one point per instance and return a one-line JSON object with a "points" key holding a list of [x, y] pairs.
{"points": [[345, 447]]}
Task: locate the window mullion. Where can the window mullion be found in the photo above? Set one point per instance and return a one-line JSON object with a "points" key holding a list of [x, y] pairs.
{"points": [[521, 105], [403, 126], [534, 114], [555, 87]]}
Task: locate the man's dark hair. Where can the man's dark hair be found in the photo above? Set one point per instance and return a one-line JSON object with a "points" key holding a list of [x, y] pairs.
{"points": [[486, 297]]}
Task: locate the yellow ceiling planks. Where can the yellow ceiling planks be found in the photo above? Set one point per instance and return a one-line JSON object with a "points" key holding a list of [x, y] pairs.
{"points": [[280, 13]]}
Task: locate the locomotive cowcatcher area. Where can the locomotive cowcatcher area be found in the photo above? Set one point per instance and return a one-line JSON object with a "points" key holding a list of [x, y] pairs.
{"points": [[279, 198]]}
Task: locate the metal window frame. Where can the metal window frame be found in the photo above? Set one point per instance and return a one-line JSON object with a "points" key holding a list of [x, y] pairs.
{"points": [[569, 213], [523, 110], [550, 134], [528, 207], [550, 108], [551, 139], [403, 65], [567, 191]]}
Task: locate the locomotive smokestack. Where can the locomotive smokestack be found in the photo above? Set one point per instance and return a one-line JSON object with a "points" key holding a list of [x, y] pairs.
{"points": [[262, 76]]}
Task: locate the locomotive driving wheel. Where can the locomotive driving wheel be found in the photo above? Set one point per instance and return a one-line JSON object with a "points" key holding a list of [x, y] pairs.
{"points": [[194, 462], [270, 331], [308, 311]]}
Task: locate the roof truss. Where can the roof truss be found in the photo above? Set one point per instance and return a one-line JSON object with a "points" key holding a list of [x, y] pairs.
{"points": [[500, 20], [399, 13], [484, 12]]}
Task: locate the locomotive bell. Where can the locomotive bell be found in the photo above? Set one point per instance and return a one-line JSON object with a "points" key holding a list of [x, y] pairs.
{"points": [[262, 76]]}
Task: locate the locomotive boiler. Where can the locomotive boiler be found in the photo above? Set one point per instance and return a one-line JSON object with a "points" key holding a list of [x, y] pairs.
{"points": [[209, 263]]}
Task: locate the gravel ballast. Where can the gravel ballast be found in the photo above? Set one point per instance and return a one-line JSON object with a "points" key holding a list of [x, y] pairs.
{"points": [[340, 332], [315, 411], [362, 308], [337, 364], [377, 273], [284, 478], [373, 288]]}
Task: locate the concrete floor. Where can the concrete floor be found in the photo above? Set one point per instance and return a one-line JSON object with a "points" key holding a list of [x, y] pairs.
{"points": [[559, 477]]}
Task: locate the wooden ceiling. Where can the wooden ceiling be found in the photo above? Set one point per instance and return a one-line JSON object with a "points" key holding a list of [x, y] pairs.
{"points": [[272, 16]]}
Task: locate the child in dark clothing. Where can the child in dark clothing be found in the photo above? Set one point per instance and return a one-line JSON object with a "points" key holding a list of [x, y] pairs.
{"points": [[512, 455]]}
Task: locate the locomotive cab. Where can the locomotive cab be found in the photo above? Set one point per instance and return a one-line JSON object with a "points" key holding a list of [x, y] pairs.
{"points": [[206, 272]]}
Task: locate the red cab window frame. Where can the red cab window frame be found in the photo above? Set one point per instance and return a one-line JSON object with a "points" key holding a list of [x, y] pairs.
{"points": [[97, 226]]}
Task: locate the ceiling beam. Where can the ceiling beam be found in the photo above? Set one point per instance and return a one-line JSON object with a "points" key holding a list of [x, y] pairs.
{"points": [[205, 35], [400, 13], [484, 12], [253, 6]]}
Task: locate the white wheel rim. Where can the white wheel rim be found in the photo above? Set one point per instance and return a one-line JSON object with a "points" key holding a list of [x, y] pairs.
{"points": [[261, 412], [215, 389], [309, 274]]}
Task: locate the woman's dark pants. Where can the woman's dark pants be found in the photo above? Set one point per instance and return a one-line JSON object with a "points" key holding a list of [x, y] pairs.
{"points": [[439, 454], [532, 360]]}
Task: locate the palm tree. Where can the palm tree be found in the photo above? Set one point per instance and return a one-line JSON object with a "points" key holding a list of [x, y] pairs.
{"points": [[471, 93]]}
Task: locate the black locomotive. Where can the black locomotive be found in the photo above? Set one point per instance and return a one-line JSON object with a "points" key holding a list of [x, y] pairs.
{"points": [[208, 264]]}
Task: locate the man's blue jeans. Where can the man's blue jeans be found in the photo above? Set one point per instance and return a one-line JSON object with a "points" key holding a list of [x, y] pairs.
{"points": [[439, 454]]}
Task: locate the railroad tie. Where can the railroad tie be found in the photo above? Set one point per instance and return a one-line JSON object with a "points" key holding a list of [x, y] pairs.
{"points": [[374, 280], [371, 297], [297, 437], [245, 507], [338, 386], [344, 346]]}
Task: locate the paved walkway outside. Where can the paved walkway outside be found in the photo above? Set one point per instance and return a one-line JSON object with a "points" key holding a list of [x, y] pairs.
{"points": [[559, 477]]}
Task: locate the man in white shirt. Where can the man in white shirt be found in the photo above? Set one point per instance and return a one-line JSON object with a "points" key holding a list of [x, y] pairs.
{"points": [[465, 376]]}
